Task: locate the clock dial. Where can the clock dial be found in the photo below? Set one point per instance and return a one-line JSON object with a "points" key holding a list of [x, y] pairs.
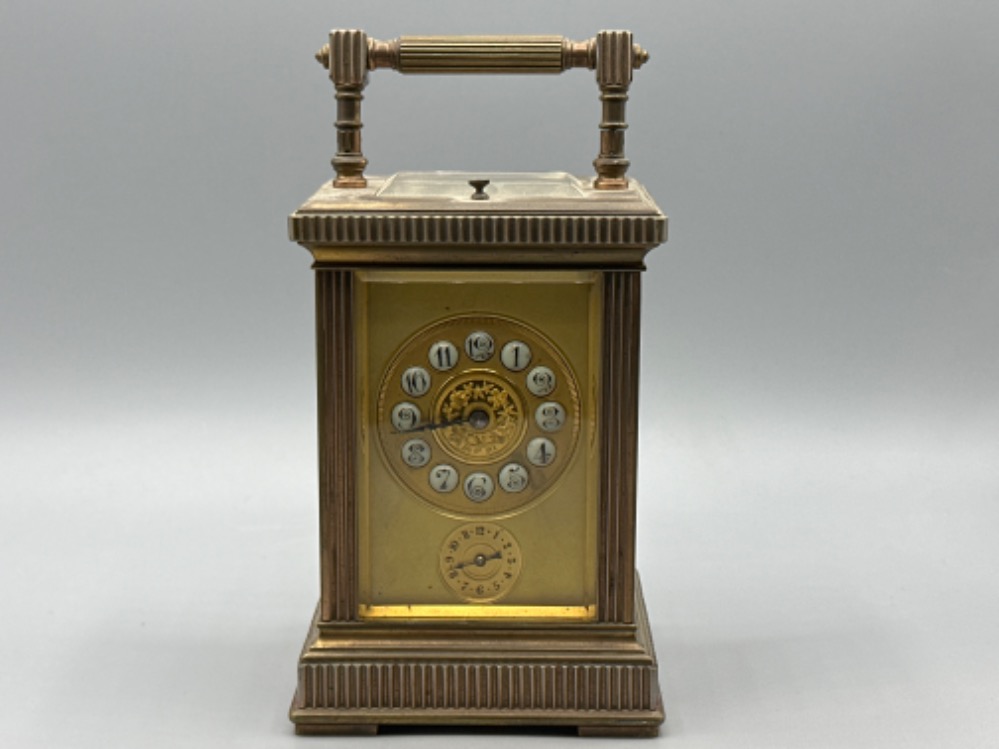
{"points": [[501, 427], [480, 562]]}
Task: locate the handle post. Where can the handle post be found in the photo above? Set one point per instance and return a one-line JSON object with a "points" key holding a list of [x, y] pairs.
{"points": [[615, 56], [348, 66]]}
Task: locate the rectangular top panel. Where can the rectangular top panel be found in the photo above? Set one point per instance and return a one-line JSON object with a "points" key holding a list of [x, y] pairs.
{"points": [[505, 187], [506, 192], [536, 212]]}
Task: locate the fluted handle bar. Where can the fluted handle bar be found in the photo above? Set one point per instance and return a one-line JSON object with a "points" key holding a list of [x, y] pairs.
{"points": [[350, 54], [482, 54]]}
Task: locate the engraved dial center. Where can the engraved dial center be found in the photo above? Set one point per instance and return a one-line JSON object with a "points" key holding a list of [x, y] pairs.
{"points": [[485, 417]]}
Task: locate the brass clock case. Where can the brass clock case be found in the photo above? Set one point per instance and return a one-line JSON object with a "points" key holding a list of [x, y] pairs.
{"points": [[478, 371]]}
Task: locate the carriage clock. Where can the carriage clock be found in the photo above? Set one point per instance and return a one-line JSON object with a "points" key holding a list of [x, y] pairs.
{"points": [[478, 379]]}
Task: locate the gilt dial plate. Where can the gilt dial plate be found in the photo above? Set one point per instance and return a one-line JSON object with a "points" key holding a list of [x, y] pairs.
{"points": [[478, 414]]}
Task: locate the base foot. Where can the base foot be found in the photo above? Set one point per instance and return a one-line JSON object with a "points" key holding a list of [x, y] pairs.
{"points": [[622, 732], [336, 729], [599, 679]]}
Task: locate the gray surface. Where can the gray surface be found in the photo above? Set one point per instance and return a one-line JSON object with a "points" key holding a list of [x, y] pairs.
{"points": [[820, 471]]}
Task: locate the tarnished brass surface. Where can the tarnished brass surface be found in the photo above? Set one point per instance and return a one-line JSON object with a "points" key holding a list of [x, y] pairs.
{"points": [[350, 54]]}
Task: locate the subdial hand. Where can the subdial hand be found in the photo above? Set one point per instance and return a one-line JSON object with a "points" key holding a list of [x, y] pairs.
{"points": [[479, 560]]}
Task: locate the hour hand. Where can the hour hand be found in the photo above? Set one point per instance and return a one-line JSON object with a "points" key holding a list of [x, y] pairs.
{"points": [[480, 560], [431, 425], [478, 419]]}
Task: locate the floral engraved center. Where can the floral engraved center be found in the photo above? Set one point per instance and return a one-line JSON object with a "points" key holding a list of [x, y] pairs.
{"points": [[484, 419]]}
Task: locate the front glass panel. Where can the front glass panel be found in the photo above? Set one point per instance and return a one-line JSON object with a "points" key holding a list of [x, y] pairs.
{"points": [[478, 473]]}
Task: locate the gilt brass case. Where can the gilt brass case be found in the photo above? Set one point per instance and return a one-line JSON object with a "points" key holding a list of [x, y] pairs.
{"points": [[478, 372]]}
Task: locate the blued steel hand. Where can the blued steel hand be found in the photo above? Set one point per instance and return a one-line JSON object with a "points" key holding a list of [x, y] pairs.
{"points": [[430, 426], [480, 560], [478, 418]]}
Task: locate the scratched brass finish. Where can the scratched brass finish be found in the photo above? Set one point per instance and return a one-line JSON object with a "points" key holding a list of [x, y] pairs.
{"points": [[350, 54]]}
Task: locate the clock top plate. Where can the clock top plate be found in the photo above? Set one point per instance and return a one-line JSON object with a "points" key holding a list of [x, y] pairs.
{"points": [[474, 214], [505, 192]]}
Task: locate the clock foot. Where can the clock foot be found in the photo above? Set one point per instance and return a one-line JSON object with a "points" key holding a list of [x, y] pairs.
{"points": [[336, 729], [621, 732]]}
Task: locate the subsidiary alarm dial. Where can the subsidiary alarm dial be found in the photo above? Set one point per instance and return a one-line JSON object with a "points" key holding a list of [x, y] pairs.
{"points": [[480, 562], [478, 414]]}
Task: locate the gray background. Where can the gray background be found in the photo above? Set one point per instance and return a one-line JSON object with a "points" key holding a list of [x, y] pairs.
{"points": [[820, 471]]}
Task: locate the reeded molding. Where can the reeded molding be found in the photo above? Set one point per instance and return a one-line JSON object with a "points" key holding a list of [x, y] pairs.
{"points": [[337, 427], [617, 56], [476, 686], [619, 446], [453, 676], [496, 230]]}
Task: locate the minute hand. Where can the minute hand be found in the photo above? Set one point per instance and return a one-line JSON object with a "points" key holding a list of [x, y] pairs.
{"points": [[430, 426]]}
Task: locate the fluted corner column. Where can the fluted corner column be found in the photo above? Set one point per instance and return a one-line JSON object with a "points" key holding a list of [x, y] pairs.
{"points": [[619, 447], [337, 446]]}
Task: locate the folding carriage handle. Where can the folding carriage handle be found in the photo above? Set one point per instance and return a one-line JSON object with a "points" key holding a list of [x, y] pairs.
{"points": [[350, 54]]}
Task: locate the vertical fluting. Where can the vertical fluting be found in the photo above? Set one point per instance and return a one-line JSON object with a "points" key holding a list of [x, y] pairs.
{"points": [[337, 422], [619, 446]]}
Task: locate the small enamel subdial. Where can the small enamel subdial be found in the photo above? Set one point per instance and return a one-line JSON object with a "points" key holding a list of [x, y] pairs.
{"points": [[480, 562], [478, 414]]}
